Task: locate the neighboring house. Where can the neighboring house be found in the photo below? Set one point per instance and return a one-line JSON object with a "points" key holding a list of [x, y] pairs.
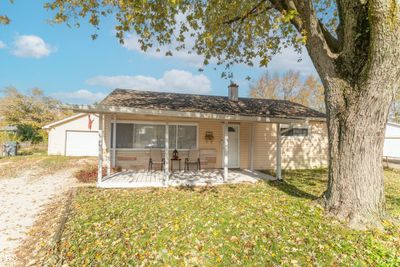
{"points": [[391, 148], [229, 132], [74, 136]]}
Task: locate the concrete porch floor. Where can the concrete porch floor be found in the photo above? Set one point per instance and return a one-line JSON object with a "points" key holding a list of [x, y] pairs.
{"points": [[143, 178]]}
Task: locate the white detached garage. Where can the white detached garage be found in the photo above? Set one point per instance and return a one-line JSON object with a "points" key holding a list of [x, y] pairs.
{"points": [[74, 136]]}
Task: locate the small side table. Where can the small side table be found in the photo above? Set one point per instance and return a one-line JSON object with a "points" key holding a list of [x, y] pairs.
{"points": [[172, 163]]}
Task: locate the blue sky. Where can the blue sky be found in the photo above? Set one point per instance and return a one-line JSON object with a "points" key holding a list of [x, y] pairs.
{"points": [[67, 64]]}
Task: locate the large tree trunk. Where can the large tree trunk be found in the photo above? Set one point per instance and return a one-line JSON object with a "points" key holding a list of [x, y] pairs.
{"points": [[360, 70], [355, 191]]}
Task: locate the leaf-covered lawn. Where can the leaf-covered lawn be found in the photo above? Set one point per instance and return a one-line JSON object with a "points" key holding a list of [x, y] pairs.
{"points": [[232, 225]]}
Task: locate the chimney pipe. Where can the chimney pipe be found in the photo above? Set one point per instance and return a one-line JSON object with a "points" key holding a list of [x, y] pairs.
{"points": [[233, 91]]}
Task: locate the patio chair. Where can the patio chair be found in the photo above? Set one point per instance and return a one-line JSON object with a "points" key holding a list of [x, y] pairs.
{"points": [[156, 157], [192, 158]]}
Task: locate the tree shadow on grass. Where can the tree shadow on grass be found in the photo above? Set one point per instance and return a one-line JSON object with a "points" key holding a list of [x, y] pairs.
{"points": [[308, 184], [291, 189]]}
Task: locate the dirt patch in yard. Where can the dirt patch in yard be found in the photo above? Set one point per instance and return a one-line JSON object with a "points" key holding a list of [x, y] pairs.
{"points": [[43, 237], [35, 183]]}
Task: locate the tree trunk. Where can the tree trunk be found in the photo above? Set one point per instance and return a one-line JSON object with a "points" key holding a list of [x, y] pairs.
{"points": [[360, 73], [355, 191]]}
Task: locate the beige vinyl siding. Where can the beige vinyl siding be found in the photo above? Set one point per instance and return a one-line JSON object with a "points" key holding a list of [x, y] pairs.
{"points": [[306, 152], [245, 135], [264, 146], [297, 152], [213, 149]]}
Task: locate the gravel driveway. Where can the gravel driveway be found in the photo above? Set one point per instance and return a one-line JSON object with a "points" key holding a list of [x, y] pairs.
{"points": [[21, 200]]}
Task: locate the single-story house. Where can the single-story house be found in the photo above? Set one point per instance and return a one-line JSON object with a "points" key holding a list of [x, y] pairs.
{"points": [[227, 132], [391, 147]]}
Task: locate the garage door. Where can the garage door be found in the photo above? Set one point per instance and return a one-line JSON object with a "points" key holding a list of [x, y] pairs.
{"points": [[82, 143]]}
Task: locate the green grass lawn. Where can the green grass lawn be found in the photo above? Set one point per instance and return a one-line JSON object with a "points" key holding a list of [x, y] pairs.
{"points": [[233, 225]]}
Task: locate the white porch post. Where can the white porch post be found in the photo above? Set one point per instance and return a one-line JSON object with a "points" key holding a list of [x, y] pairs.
{"points": [[114, 129], [166, 168], [226, 150], [278, 152], [108, 145], [100, 161]]}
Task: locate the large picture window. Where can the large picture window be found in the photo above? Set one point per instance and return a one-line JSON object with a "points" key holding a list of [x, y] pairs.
{"points": [[148, 136], [142, 136]]}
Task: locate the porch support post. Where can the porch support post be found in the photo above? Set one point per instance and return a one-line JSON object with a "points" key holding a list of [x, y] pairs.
{"points": [[166, 167], [226, 151], [100, 161], [108, 144], [278, 152], [114, 129]]}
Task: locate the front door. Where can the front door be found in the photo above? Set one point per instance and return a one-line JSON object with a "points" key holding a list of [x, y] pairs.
{"points": [[233, 145]]}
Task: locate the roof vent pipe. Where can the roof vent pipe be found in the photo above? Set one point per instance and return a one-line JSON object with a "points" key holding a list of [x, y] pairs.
{"points": [[233, 91]]}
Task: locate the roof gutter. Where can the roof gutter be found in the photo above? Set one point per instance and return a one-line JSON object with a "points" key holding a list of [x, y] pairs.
{"points": [[184, 114]]}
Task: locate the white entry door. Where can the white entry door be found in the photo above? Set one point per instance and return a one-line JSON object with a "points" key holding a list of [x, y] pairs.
{"points": [[82, 143], [233, 146]]}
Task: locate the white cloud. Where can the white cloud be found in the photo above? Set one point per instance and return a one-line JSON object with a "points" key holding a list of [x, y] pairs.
{"points": [[80, 96], [31, 46], [172, 81], [2, 44]]}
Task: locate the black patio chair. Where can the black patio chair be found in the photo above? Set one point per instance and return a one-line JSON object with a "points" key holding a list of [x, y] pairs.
{"points": [[156, 157], [193, 157]]}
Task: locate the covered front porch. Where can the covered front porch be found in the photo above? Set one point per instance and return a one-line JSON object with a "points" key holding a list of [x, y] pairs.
{"points": [[210, 177], [229, 159]]}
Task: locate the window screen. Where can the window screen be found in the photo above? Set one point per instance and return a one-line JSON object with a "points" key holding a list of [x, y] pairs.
{"points": [[149, 136], [172, 136], [187, 136], [139, 136], [124, 135]]}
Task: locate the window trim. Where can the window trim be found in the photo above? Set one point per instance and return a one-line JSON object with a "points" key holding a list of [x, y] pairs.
{"points": [[307, 127], [155, 123]]}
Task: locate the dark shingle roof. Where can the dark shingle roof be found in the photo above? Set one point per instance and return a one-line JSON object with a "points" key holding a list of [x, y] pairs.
{"points": [[209, 104]]}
